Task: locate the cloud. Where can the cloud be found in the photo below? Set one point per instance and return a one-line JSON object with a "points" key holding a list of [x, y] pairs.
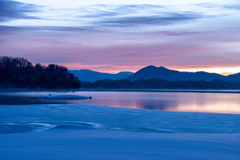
{"points": [[136, 21], [234, 7], [7, 30], [101, 11], [173, 33], [139, 50], [207, 5], [101, 35], [96, 18], [11, 10], [130, 8], [135, 15]]}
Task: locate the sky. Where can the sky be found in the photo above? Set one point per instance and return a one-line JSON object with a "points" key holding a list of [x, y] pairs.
{"points": [[127, 35]]}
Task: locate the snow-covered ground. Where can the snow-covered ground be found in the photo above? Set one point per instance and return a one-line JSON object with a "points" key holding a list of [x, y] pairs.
{"points": [[83, 131], [118, 145]]}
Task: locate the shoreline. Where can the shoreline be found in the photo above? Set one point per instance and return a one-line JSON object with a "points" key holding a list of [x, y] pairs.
{"points": [[237, 91], [234, 91]]}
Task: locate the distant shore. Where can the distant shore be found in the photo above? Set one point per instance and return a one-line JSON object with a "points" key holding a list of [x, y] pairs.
{"points": [[164, 90], [125, 90]]}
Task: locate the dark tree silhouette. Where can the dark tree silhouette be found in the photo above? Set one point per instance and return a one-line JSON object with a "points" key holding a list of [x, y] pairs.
{"points": [[20, 73]]}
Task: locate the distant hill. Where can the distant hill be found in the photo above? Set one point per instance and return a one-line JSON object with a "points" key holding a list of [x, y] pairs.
{"points": [[152, 72], [233, 77], [92, 76]]}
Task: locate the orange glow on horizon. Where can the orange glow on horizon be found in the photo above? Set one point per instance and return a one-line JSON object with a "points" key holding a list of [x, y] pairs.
{"points": [[113, 69], [220, 70], [116, 69]]}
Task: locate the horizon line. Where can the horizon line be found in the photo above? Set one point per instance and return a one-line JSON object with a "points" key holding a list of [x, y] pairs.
{"points": [[193, 70]]}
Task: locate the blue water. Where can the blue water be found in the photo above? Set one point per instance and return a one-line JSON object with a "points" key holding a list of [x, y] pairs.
{"points": [[23, 112]]}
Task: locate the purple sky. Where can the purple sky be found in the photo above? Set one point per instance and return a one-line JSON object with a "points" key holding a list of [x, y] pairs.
{"points": [[124, 36]]}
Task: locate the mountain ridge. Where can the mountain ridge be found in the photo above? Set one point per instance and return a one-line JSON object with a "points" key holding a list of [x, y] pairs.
{"points": [[92, 76], [153, 72]]}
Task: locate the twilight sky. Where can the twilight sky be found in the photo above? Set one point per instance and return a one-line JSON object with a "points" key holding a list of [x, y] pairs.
{"points": [[112, 36]]}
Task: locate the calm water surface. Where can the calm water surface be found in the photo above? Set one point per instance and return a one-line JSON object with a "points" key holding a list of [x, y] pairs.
{"points": [[165, 101]]}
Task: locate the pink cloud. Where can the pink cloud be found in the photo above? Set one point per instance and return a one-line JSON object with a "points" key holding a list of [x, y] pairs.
{"points": [[117, 52]]}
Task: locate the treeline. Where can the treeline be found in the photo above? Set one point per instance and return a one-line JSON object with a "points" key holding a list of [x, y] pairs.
{"points": [[161, 84], [20, 73]]}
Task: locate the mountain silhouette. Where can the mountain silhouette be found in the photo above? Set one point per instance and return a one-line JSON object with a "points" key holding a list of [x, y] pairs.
{"points": [[233, 77], [152, 72], [92, 76]]}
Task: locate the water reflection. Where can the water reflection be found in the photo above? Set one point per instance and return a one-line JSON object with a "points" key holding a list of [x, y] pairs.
{"points": [[164, 105], [166, 101]]}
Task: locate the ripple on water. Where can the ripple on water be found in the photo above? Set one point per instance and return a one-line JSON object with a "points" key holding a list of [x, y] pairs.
{"points": [[10, 128]]}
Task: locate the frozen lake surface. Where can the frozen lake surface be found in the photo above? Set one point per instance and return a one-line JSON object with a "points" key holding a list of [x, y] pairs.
{"points": [[139, 125], [131, 111]]}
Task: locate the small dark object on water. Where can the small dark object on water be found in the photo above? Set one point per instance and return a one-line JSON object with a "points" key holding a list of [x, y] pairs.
{"points": [[65, 97]]}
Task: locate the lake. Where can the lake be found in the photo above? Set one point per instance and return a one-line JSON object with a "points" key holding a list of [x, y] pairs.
{"points": [[125, 111], [33, 128], [164, 101]]}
